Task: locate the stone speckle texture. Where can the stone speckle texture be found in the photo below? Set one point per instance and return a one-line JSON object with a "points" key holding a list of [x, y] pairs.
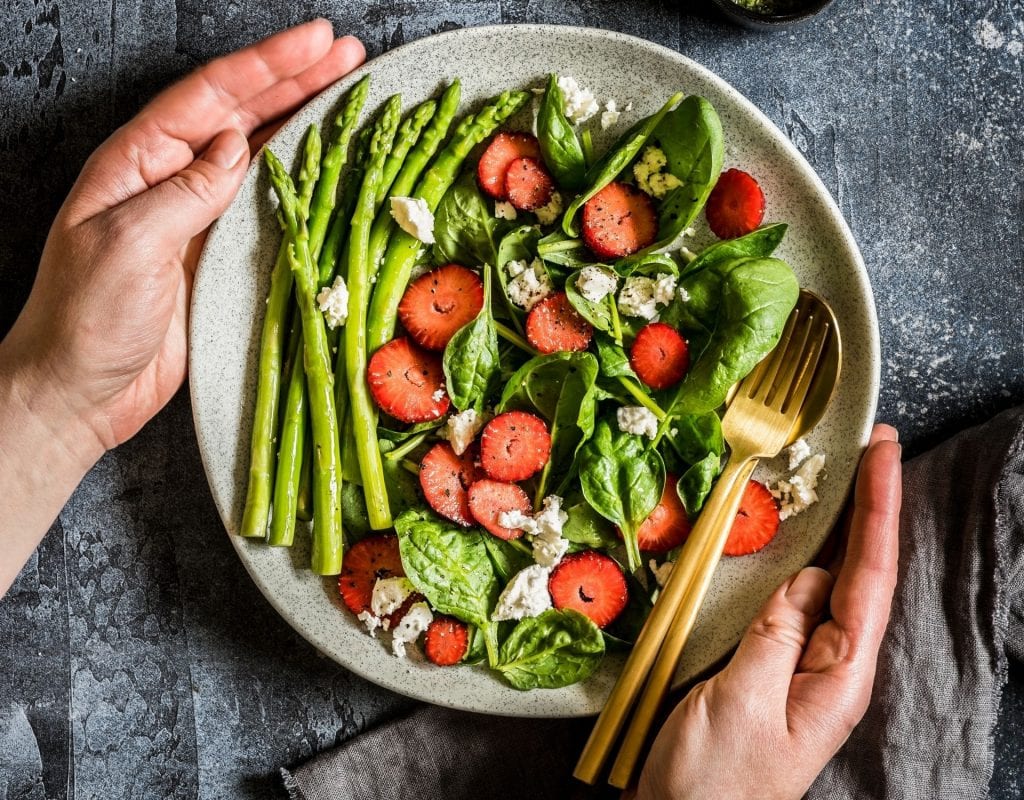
{"points": [[137, 659]]}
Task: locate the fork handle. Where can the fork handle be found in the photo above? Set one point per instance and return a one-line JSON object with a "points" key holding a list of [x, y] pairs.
{"points": [[699, 557]]}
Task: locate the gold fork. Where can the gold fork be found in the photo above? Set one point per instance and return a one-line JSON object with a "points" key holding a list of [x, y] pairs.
{"points": [[758, 424]]}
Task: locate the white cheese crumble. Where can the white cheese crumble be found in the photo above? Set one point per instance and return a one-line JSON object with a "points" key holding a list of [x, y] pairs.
{"points": [[525, 596], [664, 288], [580, 103], [461, 429], [596, 283], [413, 623], [333, 302], [530, 283], [797, 494], [388, 596], [545, 528], [438, 394], [641, 296], [610, 115], [371, 622], [684, 295], [637, 420], [651, 174], [504, 210], [413, 216], [798, 453], [546, 215], [661, 573]]}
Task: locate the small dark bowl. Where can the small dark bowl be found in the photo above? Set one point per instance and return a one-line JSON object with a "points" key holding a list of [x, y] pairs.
{"points": [[770, 22]]}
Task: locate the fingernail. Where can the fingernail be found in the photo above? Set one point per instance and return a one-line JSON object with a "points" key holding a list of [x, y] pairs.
{"points": [[227, 150], [810, 590]]}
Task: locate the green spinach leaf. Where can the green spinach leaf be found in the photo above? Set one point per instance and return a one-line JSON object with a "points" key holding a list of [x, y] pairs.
{"points": [[612, 358], [760, 243], [506, 558], [554, 649], [695, 485], [597, 314], [463, 225], [696, 435], [564, 251], [471, 360], [586, 527], [559, 146]]}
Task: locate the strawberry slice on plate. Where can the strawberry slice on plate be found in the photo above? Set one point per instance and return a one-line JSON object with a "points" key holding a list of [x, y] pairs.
{"points": [[554, 325], [514, 446], [446, 641], [591, 583], [735, 206], [407, 382], [504, 148], [489, 499], [668, 525], [659, 356], [756, 522], [440, 302], [528, 186], [445, 479], [619, 220], [367, 560]]}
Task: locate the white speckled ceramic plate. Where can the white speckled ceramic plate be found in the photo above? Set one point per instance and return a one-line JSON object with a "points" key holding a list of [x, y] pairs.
{"points": [[232, 283]]}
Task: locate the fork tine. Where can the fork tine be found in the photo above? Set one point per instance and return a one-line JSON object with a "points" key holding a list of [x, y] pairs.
{"points": [[809, 367], [792, 359], [761, 380]]}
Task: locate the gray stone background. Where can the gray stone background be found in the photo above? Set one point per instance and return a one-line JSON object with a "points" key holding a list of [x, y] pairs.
{"points": [[137, 660]]}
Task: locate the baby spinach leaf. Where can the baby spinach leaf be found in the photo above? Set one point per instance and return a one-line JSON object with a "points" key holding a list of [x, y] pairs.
{"points": [[695, 435], [408, 433], [617, 158], [471, 359], [506, 558], [586, 527], [463, 225], [402, 486], [695, 485], [559, 146], [554, 649], [622, 479], [626, 627], [650, 265], [759, 243], [597, 314], [612, 358], [519, 244], [565, 251]]}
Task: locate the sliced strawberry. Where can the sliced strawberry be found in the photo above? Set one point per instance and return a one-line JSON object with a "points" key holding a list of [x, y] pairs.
{"points": [[756, 522], [367, 560], [528, 186], [660, 356], [591, 583], [489, 499], [553, 325], [407, 382], [396, 616], [514, 446], [500, 153], [445, 479], [447, 641], [735, 206], [619, 220], [440, 302]]}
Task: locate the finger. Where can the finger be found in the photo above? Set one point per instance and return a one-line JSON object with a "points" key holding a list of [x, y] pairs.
{"points": [[771, 648], [883, 433]]}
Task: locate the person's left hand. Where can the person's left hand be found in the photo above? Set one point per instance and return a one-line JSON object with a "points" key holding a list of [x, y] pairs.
{"points": [[105, 325]]}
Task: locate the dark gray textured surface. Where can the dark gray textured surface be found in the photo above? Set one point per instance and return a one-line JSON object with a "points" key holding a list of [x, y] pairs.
{"points": [[136, 657]]}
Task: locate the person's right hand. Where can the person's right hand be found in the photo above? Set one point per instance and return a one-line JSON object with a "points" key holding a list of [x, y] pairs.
{"points": [[764, 727]]}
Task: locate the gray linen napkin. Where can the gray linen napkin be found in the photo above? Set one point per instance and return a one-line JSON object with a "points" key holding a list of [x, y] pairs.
{"points": [[928, 733]]}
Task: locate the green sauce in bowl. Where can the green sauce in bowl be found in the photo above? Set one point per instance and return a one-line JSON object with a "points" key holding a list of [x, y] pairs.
{"points": [[771, 6]]}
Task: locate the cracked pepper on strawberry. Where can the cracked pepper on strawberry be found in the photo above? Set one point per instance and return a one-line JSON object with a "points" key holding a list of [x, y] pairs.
{"points": [[514, 364]]}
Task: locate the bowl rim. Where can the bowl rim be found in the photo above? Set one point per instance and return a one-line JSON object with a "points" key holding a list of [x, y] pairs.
{"points": [[812, 8]]}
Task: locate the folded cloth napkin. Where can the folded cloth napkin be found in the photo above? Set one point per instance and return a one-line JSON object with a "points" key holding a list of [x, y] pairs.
{"points": [[927, 734]]}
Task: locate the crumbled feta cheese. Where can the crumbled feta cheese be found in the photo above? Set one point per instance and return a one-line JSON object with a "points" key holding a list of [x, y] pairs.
{"points": [[461, 429], [438, 394], [637, 420], [545, 528], [596, 283], [798, 453], [662, 572], [684, 295], [388, 596], [371, 621], [504, 210], [651, 175], [664, 287], [546, 215], [530, 283], [641, 296], [610, 115], [414, 217], [580, 103], [414, 622], [797, 494], [525, 596], [333, 302]]}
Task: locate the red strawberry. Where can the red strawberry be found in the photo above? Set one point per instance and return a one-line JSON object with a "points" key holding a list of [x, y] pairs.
{"points": [[619, 220], [396, 616], [502, 151], [447, 641], [735, 206], [756, 522], [406, 382], [367, 560], [660, 356], [553, 325], [528, 185], [667, 526], [591, 583], [514, 446], [445, 477], [437, 304], [488, 499]]}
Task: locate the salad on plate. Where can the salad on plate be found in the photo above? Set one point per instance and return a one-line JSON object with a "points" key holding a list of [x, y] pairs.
{"points": [[493, 362]]}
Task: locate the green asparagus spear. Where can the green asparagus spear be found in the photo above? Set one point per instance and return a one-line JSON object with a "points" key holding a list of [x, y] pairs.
{"points": [[256, 516], [362, 409], [304, 500], [290, 452], [331, 259], [404, 249], [405, 140], [327, 532]]}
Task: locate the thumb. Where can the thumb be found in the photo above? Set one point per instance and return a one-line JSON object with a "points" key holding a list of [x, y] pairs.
{"points": [[184, 205], [771, 648]]}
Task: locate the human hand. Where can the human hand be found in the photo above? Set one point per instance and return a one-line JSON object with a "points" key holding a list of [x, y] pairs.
{"points": [[105, 327], [767, 724]]}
